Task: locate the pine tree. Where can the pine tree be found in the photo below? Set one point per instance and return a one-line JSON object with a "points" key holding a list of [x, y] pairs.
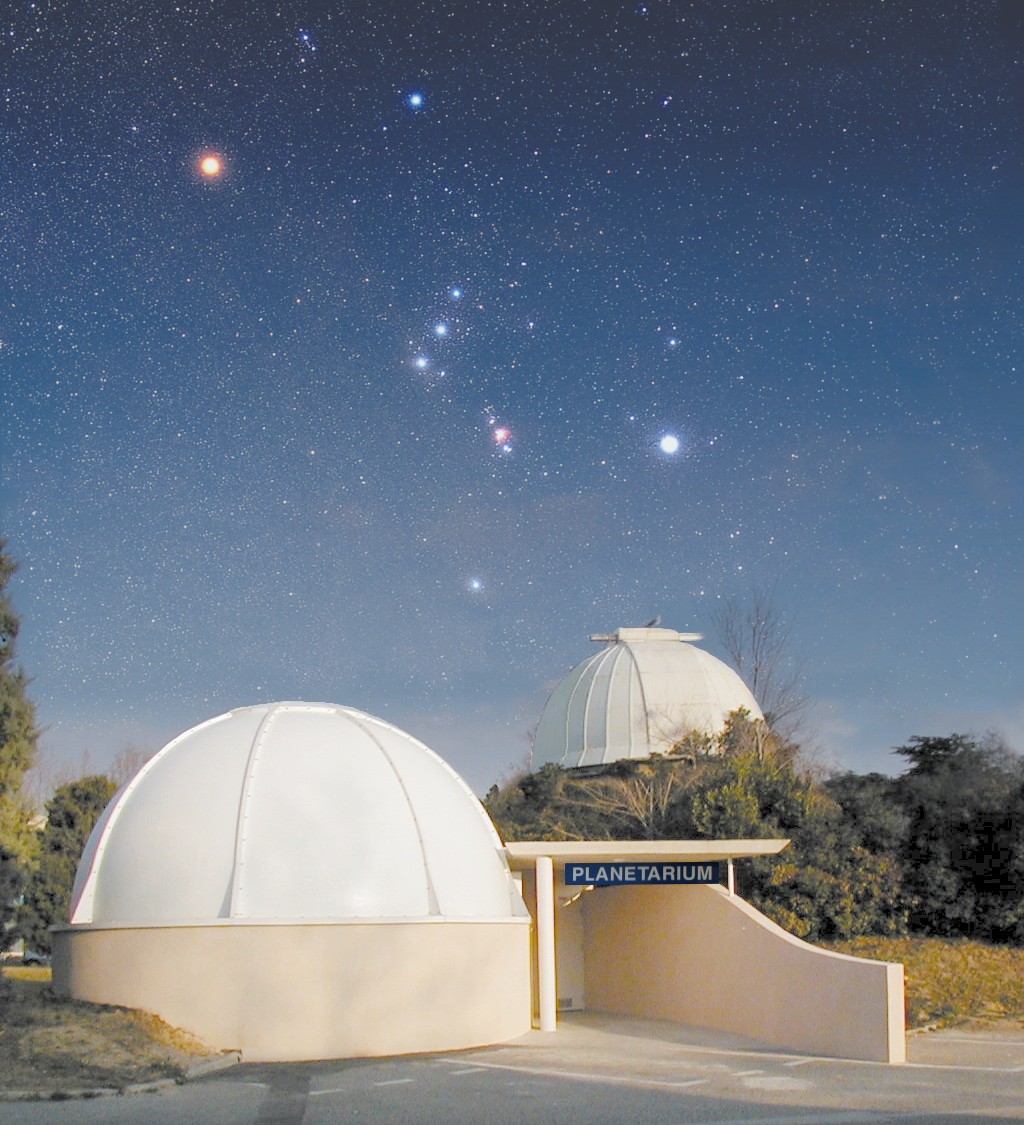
{"points": [[71, 814], [18, 736], [18, 731]]}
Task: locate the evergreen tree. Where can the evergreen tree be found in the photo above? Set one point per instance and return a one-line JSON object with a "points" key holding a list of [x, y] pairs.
{"points": [[18, 731], [964, 851], [71, 814], [18, 735], [873, 811], [825, 884], [11, 882]]}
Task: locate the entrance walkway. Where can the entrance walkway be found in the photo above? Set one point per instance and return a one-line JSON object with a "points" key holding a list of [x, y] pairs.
{"points": [[588, 1035]]}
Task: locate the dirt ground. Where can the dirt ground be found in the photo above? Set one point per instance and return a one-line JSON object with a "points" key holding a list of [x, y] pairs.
{"points": [[57, 1046]]}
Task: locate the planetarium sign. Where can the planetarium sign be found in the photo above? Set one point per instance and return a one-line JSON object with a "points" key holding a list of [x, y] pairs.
{"points": [[631, 874]]}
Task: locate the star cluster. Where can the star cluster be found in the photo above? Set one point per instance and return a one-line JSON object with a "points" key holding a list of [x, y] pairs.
{"points": [[382, 357]]}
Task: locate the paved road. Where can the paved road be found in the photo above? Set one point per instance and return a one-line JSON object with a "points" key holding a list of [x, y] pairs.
{"points": [[598, 1071]]}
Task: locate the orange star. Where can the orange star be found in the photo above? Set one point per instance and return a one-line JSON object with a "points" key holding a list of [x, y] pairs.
{"points": [[211, 166]]}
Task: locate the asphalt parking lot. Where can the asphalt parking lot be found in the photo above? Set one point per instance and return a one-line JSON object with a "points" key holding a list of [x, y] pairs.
{"points": [[599, 1070]]}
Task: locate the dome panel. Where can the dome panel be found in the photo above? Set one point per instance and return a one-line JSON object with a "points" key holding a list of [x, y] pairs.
{"points": [[467, 883], [627, 723], [339, 843], [146, 846]]}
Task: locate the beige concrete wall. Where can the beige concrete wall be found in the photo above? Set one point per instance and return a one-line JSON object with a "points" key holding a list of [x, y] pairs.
{"points": [[569, 969], [287, 992], [698, 956]]}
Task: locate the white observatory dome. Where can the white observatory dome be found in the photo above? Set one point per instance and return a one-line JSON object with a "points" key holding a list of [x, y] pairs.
{"points": [[635, 698], [302, 812]]}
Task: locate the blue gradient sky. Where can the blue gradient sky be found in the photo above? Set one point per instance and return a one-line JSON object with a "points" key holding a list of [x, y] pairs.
{"points": [[374, 415]]}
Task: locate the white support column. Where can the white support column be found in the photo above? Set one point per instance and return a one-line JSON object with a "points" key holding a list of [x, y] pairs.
{"points": [[546, 984], [731, 876]]}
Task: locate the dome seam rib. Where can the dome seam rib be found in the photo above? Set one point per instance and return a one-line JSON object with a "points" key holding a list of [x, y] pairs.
{"points": [[643, 703], [606, 718], [248, 775], [599, 659], [433, 903], [568, 710]]}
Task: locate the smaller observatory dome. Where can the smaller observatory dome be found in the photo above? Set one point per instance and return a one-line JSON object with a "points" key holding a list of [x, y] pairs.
{"points": [[635, 697], [293, 812]]}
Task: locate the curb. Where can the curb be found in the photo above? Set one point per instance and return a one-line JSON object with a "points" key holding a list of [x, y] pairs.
{"points": [[57, 1095], [211, 1066], [200, 1070]]}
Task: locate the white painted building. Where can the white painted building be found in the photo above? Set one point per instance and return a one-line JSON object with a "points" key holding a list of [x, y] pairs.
{"points": [[301, 880], [635, 697]]}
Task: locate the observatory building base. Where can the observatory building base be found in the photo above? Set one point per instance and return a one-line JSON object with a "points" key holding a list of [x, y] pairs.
{"points": [[287, 992]]}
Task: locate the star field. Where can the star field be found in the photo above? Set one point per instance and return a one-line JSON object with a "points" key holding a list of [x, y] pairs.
{"points": [[379, 354]]}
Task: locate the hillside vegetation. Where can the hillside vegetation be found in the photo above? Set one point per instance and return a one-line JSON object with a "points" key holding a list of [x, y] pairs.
{"points": [[936, 852]]}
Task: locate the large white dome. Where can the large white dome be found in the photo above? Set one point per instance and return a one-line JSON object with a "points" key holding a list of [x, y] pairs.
{"points": [[635, 697], [293, 812]]}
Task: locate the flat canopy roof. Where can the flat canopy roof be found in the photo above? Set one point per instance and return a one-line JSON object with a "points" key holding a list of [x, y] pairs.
{"points": [[523, 853]]}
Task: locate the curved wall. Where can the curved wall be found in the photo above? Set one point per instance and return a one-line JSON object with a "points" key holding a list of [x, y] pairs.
{"points": [[290, 992], [700, 956]]}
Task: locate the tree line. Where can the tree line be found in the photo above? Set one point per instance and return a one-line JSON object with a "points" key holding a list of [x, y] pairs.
{"points": [[937, 850], [38, 854], [18, 736]]}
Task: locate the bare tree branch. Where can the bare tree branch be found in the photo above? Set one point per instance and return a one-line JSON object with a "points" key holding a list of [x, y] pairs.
{"points": [[756, 637], [640, 802]]}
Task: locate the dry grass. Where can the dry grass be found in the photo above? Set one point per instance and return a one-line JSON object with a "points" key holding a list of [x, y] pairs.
{"points": [[55, 1046], [950, 982]]}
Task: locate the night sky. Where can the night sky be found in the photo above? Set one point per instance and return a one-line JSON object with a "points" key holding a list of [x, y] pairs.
{"points": [[487, 326]]}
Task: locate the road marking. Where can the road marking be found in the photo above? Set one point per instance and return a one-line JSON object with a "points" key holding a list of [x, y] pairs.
{"points": [[967, 1039], [467, 1070], [969, 1069], [771, 1056], [583, 1076], [810, 1119], [746, 1073], [395, 1082], [830, 1060], [775, 1082]]}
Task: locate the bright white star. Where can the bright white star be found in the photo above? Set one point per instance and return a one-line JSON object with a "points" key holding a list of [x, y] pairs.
{"points": [[669, 444]]}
